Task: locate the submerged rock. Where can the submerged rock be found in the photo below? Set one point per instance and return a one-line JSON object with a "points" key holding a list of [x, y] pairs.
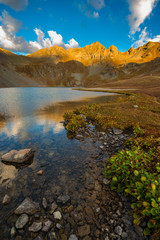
{"points": [[57, 215], [27, 206], [63, 199], [18, 157], [73, 237], [84, 230], [35, 227], [46, 225], [53, 208], [22, 221], [118, 230], [6, 199], [13, 232], [38, 238], [52, 236], [44, 203], [40, 172]]}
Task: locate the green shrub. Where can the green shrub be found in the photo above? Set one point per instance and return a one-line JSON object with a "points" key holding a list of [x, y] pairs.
{"points": [[136, 172], [74, 122]]}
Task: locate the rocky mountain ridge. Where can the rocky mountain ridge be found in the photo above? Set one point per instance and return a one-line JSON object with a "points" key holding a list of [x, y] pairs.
{"points": [[90, 66]]}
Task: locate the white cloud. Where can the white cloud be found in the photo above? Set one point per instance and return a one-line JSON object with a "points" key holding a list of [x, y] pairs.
{"points": [[97, 4], [72, 44], [144, 38], [8, 39], [140, 10], [15, 4]]}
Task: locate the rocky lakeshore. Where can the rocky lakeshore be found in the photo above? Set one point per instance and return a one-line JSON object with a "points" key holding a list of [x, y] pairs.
{"points": [[91, 212]]}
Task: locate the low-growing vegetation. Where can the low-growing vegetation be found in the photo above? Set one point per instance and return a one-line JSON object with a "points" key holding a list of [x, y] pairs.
{"points": [[135, 170], [74, 122]]}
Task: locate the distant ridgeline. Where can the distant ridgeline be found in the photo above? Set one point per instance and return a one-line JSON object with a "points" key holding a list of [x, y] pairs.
{"points": [[90, 66]]}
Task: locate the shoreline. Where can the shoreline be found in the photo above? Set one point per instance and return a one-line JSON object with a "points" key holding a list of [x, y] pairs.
{"points": [[127, 113]]}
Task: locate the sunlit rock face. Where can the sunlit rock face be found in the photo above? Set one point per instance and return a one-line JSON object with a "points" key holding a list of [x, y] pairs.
{"points": [[90, 66]]}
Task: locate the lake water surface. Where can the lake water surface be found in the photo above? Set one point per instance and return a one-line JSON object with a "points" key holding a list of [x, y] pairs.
{"points": [[27, 126]]}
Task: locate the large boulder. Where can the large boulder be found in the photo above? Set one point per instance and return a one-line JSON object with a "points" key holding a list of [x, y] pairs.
{"points": [[18, 157]]}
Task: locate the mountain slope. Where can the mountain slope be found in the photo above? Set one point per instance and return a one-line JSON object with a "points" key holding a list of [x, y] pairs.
{"points": [[90, 66], [96, 53]]}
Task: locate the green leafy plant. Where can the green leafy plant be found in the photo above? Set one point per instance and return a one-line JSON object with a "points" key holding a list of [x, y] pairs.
{"points": [[74, 122], [136, 172]]}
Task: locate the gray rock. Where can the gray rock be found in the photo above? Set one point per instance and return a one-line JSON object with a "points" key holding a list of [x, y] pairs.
{"points": [[102, 147], [59, 226], [35, 227], [73, 237], [107, 238], [57, 215], [139, 230], [124, 235], [53, 208], [79, 137], [27, 206], [38, 238], [6, 199], [98, 210], [22, 221], [13, 232], [126, 221], [135, 106], [117, 131], [84, 230], [63, 199], [20, 156], [132, 235], [44, 203], [47, 225], [118, 230], [105, 181], [52, 236]]}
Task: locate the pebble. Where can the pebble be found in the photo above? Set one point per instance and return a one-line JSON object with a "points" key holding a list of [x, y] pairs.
{"points": [[73, 237], [53, 208], [107, 238], [40, 172], [98, 210], [79, 137], [22, 221], [44, 203], [63, 199], [84, 230], [105, 181], [57, 215], [124, 235], [46, 225], [6, 199], [13, 232], [35, 227], [38, 238], [52, 236], [117, 131], [59, 226], [118, 230]]}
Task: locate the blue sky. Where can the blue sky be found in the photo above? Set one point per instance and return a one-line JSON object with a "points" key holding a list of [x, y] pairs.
{"points": [[29, 25]]}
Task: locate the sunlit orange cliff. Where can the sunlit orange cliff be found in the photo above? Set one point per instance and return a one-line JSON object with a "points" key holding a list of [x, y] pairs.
{"points": [[90, 66]]}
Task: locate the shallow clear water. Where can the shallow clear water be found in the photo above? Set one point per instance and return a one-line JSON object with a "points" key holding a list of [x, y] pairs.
{"points": [[61, 159]]}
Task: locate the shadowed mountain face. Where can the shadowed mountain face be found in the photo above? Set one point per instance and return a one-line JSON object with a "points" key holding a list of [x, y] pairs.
{"points": [[91, 66]]}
